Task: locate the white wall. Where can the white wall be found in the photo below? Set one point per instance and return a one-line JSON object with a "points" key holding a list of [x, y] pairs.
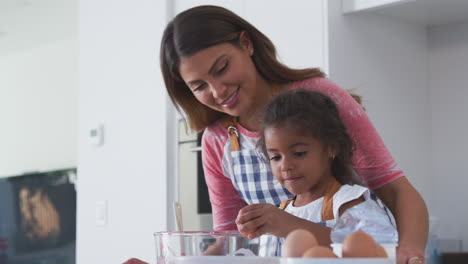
{"points": [[448, 61], [386, 60], [121, 88], [284, 24], [38, 105]]}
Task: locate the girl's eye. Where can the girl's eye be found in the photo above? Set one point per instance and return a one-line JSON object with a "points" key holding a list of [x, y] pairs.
{"points": [[274, 158], [300, 153]]}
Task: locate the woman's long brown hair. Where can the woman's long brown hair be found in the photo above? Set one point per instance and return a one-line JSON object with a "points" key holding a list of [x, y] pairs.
{"points": [[204, 26]]}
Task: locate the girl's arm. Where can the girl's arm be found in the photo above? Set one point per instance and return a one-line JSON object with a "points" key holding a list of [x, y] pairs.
{"points": [[411, 215], [321, 233], [258, 219]]}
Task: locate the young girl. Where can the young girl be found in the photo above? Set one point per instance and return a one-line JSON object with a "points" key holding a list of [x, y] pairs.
{"points": [[310, 153]]}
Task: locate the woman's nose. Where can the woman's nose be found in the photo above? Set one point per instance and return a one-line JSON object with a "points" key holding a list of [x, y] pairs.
{"points": [[219, 91]]}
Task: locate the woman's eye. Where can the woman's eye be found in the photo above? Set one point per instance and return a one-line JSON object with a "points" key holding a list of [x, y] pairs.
{"points": [[222, 69], [199, 88]]}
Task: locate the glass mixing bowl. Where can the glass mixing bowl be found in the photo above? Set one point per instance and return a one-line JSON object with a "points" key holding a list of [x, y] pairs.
{"points": [[212, 243]]}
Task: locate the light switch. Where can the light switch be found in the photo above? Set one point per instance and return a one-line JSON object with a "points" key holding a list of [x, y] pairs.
{"points": [[101, 213], [96, 135]]}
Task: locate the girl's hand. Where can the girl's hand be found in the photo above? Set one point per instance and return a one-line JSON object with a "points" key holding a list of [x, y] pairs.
{"points": [[258, 219]]}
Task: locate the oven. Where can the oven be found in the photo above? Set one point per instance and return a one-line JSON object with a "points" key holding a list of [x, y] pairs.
{"points": [[193, 192]]}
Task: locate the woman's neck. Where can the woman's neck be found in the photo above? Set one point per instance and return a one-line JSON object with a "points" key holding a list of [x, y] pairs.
{"points": [[267, 92], [251, 123]]}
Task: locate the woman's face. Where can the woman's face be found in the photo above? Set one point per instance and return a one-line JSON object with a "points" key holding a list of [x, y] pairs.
{"points": [[223, 77], [300, 163]]}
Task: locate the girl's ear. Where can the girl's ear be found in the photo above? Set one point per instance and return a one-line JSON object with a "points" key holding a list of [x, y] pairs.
{"points": [[246, 43], [332, 153]]}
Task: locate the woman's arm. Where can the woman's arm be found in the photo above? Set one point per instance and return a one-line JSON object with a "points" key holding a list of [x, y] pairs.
{"points": [[411, 216], [224, 198]]}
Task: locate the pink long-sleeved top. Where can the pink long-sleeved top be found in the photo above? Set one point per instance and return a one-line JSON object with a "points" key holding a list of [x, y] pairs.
{"points": [[371, 159]]}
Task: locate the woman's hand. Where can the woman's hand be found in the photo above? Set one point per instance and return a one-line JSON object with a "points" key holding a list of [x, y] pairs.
{"points": [[258, 219], [409, 256], [134, 261], [411, 217]]}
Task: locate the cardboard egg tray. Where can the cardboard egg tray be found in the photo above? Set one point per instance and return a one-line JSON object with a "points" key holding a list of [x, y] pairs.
{"points": [[274, 260]]}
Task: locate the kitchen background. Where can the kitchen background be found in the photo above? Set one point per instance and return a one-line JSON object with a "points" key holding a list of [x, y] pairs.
{"points": [[80, 87]]}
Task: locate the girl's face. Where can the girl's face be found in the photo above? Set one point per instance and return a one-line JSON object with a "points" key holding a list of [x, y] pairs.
{"points": [[223, 77], [300, 163]]}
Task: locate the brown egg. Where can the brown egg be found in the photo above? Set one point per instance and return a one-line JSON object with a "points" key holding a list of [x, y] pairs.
{"points": [[380, 252], [297, 242], [361, 245], [244, 234], [319, 252]]}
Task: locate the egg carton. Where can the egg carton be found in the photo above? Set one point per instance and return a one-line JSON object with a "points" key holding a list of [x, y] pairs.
{"points": [[273, 260], [336, 261], [390, 250]]}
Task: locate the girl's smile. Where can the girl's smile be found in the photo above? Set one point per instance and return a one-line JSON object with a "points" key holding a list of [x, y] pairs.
{"points": [[292, 179]]}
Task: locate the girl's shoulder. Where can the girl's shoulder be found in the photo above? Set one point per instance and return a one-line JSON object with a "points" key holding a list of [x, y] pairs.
{"points": [[350, 192]]}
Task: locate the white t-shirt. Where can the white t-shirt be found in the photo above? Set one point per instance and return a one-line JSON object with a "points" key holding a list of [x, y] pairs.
{"points": [[313, 210]]}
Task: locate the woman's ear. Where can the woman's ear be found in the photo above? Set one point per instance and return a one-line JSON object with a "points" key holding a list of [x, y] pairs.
{"points": [[246, 43]]}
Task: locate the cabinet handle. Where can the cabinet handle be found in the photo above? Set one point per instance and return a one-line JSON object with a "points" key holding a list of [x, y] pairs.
{"points": [[195, 149]]}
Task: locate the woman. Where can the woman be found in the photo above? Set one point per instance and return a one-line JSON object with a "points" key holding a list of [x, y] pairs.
{"points": [[221, 72]]}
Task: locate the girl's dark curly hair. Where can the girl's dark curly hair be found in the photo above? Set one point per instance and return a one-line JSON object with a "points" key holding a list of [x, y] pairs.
{"points": [[312, 114]]}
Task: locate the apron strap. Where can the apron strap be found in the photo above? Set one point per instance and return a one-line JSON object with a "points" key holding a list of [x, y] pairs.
{"points": [[327, 205], [285, 204], [230, 124]]}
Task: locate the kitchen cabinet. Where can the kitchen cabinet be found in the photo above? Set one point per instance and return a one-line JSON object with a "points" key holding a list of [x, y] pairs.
{"points": [[423, 12], [420, 68]]}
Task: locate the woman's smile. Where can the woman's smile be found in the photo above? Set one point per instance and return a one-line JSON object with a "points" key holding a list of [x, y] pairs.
{"points": [[232, 100]]}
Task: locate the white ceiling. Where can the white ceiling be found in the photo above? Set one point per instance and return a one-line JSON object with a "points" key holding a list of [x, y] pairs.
{"points": [[429, 12], [26, 24]]}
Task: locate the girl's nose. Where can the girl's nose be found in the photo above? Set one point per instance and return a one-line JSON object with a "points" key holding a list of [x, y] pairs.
{"points": [[286, 165]]}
